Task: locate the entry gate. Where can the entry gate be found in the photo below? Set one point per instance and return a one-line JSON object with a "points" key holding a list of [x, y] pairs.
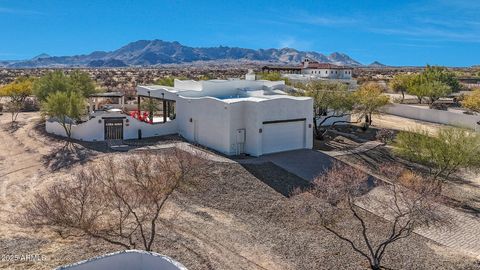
{"points": [[113, 129]]}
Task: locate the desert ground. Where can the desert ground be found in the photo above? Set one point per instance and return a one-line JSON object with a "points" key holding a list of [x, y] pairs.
{"points": [[232, 220]]}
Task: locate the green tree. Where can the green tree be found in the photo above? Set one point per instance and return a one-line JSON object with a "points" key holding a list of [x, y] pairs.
{"points": [[434, 83], [416, 87], [330, 100], [368, 100], [205, 77], [82, 83], [444, 153], [400, 84], [65, 107], [435, 90], [169, 80], [472, 101], [165, 81], [17, 93], [442, 74], [51, 82], [273, 76], [57, 81]]}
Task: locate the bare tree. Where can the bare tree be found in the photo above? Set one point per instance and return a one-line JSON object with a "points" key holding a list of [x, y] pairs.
{"points": [[118, 200], [407, 206]]}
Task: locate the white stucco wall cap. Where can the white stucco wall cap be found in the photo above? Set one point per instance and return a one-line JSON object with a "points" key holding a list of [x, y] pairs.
{"points": [[161, 257], [248, 99]]}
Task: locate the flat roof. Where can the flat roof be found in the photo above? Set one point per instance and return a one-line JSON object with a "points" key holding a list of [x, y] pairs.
{"points": [[107, 94]]}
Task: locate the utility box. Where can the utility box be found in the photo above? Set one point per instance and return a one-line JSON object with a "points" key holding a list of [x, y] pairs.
{"points": [[240, 140]]}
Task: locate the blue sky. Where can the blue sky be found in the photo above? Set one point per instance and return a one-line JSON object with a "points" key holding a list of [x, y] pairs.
{"points": [[439, 32]]}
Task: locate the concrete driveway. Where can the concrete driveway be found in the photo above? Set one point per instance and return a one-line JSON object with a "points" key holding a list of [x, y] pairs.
{"points": [[305, 163]]}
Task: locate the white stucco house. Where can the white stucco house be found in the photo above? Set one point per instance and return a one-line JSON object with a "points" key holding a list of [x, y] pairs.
{"points": [[233, 117], [326, 70], [309, 70]]}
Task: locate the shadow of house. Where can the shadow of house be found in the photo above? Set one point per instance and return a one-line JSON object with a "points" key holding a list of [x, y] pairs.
{"points": [[277, 178]]}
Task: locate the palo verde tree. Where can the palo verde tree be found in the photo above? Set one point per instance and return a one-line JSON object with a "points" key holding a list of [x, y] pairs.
{"points": [[57, 81], [408, 203], [416, 87], [472, 101], [443, 75], [368, 100], [400, 84], [330, 100], [443, 153], [434, 83], [16, 93], [118, 200], [435, 90], [81, 82], [65, 107]]}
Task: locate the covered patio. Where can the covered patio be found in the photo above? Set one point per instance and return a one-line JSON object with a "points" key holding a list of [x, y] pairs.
{"points": [[106, 101], [154, 110]]}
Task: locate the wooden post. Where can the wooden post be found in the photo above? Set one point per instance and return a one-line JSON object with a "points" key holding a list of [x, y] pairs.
{"points": [[168, 108], [138, 104], [164, 111]]}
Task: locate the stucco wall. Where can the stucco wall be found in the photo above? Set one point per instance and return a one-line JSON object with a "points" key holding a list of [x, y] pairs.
{"points": [[93, 129], [211, 119], [329, 73], [435, 116], [217, 122]]}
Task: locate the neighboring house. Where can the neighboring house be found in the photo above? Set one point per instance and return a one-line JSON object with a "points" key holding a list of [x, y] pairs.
{"points": [[326, 70], [127, 260], [233, 117], [312, 70], [310, 67]]}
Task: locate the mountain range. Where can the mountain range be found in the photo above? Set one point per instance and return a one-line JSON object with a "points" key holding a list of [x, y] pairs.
{"points": [[144, 53]]}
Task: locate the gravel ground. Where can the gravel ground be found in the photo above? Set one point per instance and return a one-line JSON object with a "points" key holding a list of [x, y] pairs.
{"points": [[231, 220]]}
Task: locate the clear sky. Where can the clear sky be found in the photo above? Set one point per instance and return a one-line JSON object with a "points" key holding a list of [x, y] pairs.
{"points": [[439, 32]]}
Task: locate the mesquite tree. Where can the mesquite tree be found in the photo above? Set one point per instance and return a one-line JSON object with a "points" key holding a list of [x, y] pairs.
{"points": [[407, 204], [118, 200], [330, 100]]}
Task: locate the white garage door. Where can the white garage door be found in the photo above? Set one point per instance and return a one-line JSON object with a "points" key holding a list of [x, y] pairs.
{"points": [[278, 136]]}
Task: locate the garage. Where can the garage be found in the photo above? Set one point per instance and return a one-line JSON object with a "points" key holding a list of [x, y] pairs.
{"points": [[283, 135]]}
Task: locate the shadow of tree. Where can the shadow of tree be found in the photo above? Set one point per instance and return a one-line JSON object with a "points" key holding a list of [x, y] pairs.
{"points": [[67, 155], [13, 127]]}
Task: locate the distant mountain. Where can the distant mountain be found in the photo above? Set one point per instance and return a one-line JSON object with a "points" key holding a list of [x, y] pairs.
{"points": [[158, 52], [40, 56], [376, 64]]}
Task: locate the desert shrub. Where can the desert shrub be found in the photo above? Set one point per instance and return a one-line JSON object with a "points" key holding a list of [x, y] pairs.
{"points": [[385, 135]]}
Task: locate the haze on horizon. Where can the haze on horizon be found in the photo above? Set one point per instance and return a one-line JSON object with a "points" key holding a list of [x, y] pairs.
{"points": [[437, 32]]}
